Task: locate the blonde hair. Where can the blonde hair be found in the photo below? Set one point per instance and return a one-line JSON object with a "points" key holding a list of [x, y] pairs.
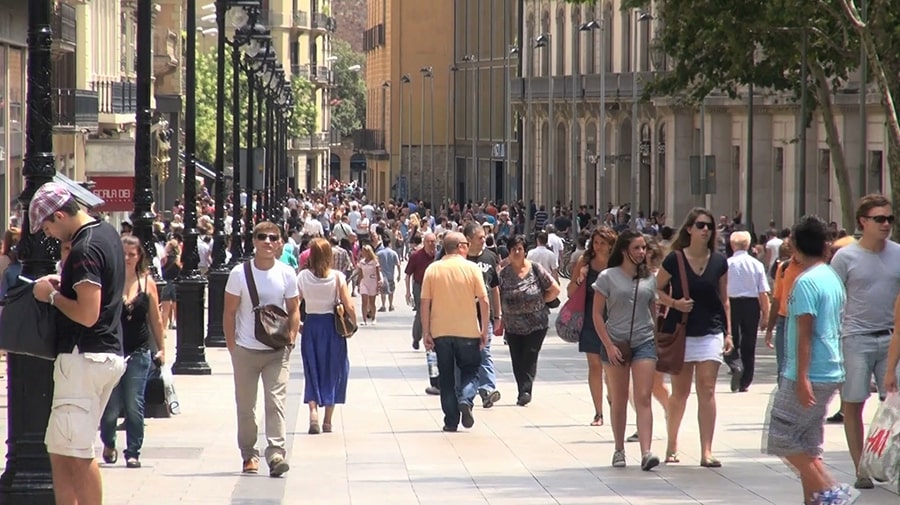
{"points": [[368, 253], [740, 240]]}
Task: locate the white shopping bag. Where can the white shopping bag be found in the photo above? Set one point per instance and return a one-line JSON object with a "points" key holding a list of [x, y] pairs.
{"points": [[881, 448], [171, 397]]}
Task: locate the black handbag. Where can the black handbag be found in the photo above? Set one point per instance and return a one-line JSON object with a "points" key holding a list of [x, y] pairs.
{"points": [[552, 304], [272, 325], [343, 321], [27, 326]]}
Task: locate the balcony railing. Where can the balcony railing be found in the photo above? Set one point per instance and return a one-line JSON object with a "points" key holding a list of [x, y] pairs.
{"points": [[322, 75], [301, 19], [300, 71], [319, 21], [75, 108], [116, 97], [369, 140], [315, 141], [63, 25]]}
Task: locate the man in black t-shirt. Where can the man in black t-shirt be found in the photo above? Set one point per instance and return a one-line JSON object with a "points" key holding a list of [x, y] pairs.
{"points": [[88, 298], [489, 264], [583, 217]]}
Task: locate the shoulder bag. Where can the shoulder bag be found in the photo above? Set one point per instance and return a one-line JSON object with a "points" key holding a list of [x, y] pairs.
{"points": [[272, 325], [625, 346], [552, 304], [343, 321], [670, 346], [570, 319]]}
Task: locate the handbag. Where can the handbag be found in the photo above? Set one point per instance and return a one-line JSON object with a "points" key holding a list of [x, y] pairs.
{"points": [[570, 319], [27, 326], [343, 321], [552, 304], [670, 346], [625, 345], [272, 325]]}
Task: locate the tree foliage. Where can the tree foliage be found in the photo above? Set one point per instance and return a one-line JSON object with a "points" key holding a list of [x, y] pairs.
{"points": [[348, 111]]}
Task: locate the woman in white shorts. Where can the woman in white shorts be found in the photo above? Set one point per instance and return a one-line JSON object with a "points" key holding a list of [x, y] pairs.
{"points": [[708, 326]]}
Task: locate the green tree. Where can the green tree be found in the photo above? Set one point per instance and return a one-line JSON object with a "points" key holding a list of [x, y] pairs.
{"points": [[348, 104], [725, 45]]}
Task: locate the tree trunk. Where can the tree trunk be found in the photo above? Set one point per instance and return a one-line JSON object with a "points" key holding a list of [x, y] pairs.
{"points": [[884, 86], [833, 139]]}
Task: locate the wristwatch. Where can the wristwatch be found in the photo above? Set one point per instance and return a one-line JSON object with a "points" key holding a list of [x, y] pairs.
{"points": [[52, 297]]}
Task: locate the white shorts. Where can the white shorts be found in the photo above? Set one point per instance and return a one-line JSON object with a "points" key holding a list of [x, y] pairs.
{"points": [[705, 348], [82, 386]]}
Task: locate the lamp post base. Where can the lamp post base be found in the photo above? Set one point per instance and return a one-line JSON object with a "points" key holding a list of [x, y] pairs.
{"points": [[215, 333], [190, 353], [27, 479]]}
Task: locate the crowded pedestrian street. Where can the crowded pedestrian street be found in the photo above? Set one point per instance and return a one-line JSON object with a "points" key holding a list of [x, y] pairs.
{"points": [[387, 445]]}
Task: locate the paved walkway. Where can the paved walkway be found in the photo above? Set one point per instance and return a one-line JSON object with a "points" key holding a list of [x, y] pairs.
{"points": [[388, 448]]}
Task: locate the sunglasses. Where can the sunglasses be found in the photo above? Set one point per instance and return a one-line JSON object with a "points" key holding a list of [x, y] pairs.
{"points": [[271, 237], [882, 219], [703, 224]]}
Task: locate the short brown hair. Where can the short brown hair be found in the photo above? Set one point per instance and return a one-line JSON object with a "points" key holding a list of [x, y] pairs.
{"points": [[266, 227], [320, 257], [867, 203]]}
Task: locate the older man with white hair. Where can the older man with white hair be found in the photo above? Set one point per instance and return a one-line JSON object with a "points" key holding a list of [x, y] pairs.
{"points": [[748, 292]]}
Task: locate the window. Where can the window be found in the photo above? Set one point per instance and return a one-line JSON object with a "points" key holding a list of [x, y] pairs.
{"points": [[875, 173], [560, 43], [608, 42], [626, 42]]}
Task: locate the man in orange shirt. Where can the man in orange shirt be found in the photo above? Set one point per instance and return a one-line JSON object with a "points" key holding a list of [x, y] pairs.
{"points": [[451, 328], [785, 276]]}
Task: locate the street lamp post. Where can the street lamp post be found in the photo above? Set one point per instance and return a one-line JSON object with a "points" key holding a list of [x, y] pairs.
{"points": [[471, 58], [641, 17], [431, 143], [451, 102], [590, 26], [801, 172], [529, 173], [543, 42], [27, 478], [190, 356], [249, 169], [402, 182], [426, 74], [511, 189]]}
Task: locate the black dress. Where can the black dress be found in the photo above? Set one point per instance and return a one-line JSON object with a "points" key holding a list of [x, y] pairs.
{"points": [[589, 341], [135, 330]]}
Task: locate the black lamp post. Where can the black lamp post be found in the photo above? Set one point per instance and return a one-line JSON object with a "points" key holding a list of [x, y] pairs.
{"points": [[142, 217], [27, 478], [249, 169], [244, 14], [190, 355]]}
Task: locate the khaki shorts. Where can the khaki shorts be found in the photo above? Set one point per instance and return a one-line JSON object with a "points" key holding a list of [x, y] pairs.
{"points": [[82, 386]]}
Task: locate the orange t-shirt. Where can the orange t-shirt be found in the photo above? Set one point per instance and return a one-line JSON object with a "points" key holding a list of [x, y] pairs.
{"points": [[784, 282]]}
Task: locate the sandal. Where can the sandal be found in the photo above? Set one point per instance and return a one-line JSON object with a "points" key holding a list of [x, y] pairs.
{"points": [[710, 463], [326, 427], [598, 420], [672, 457]]}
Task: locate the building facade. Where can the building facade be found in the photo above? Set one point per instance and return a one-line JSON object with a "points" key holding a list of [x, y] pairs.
{"points": [[585, 141], [407, 140], [301, 35]]}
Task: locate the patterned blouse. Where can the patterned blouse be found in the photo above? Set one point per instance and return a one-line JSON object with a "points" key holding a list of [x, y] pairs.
{"points": [[522, 299]]}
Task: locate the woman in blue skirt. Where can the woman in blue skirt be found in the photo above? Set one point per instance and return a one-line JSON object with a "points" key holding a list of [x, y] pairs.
{"points": [[324, 351]]}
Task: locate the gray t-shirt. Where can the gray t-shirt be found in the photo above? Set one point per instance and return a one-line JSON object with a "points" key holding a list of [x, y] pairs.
{"points": [[872, 281], [388, 260], [618, 288]]}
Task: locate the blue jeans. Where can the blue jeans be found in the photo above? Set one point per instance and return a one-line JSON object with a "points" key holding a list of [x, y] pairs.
{"points": [[128, 394], [463, 354], [487, 378]]}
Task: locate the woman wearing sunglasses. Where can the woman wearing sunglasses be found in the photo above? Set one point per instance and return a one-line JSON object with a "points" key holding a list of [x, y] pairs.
{"points": [[708, 328]]}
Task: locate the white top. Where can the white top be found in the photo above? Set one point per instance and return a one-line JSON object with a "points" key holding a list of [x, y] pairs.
{"points": [[746, 276], [354, 217], [544, 257], [274, 286], [556, 244], [320, 294], [772, 247]]}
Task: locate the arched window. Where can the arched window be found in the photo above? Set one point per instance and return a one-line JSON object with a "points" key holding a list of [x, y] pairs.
{"points": [[644, 34]]}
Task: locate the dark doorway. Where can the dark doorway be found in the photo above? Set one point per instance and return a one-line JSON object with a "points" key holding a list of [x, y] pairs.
{"points": [[335, 168], [358, 169], [499, 179], [460, 180]]}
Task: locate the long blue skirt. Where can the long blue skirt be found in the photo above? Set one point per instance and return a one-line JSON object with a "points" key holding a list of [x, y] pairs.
{"points": [[325, 363]]}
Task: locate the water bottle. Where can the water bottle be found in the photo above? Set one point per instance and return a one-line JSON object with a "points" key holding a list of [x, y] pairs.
{"points": [[431, 358]]}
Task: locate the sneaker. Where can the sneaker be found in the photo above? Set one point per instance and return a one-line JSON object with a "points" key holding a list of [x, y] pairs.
{"points": [[489, 399], [251, 465], [736, 375], [837, 418], [449, 429], [633, 438], [132, 462], [618, 460], [278, 466], [863, 483], [466, 411], [649, 462], [431, 390]]}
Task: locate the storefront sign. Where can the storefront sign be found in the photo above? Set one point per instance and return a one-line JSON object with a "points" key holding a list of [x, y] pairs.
{"points": [[117, 192]]}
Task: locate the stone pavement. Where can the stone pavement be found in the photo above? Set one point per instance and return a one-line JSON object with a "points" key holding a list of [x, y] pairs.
{"points": [[387, 445]]}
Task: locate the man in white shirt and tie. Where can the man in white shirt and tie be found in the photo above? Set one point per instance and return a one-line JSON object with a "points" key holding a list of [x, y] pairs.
{"points": [[748, 293]]}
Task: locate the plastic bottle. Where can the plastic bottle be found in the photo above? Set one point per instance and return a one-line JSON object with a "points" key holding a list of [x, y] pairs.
{"points": [[431, 358]]}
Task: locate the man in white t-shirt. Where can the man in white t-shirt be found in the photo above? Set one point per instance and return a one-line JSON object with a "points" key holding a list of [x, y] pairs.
{"points": [[544, 257], [276, 284], [354, 217], [773, 245]]}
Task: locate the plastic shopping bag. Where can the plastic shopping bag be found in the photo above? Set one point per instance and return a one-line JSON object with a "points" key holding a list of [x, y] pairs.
{"points": [[881, 450]]}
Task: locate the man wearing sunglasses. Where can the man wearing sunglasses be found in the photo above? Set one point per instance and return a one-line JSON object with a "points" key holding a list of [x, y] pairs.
{"points": [[276, 284], [870, 271]]}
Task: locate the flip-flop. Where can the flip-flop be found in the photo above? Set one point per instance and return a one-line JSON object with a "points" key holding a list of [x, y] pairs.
{"points": [[710, 463], [672, 457]]}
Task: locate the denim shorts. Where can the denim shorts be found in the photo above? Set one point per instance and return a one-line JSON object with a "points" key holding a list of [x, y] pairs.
{"points": [[864, 355], [644, 350]]}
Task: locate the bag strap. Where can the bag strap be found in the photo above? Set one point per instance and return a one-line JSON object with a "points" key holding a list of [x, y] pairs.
{"points": [[682, 274], [637, 282], [337, 289], [251, 284]]}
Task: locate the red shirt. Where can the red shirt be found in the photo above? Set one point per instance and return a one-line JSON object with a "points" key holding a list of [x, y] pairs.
{"points": [[417, 264]]}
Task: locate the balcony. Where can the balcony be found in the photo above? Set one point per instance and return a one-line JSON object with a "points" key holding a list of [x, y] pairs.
{"points": [[322, 22], [618, 86], [369, 140], [75, 109], [301, 20], [314, 142], [321, 76], [117, 101], [373, 38], [300, 71], [63, 26]]}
